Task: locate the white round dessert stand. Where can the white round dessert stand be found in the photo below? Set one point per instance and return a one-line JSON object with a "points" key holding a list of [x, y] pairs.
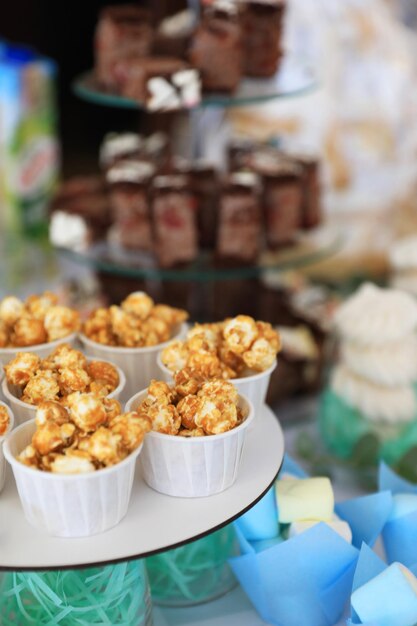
{"points": [[154, 522]]}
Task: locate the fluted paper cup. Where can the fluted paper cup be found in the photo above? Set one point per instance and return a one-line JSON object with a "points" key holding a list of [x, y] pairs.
{"points": [[138, 364], [24, 411], [253, 387], [70, 505], [193, 467], [2, 438], [41, 349]]}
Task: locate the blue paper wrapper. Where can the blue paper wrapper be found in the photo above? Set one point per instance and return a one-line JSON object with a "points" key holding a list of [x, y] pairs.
{"points": [[313, 570], [399, 534], [369, 565]]}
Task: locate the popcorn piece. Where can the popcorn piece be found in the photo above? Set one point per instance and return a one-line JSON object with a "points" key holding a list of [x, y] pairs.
{"points": [[155, 330], [389, 599], [51, 436], [196, 432], [165, 418], [98, 327], [104, 374], [126, 328], [71, 380], [39, 305], [72, 462], [169, 314], [185, 383], [187, 407], [233, 361], [131, 427], [160, 392], [265, 331], [87, 411], [210, 333], [60, 321], [4, 420], [20, 369], [11, 308], [51, 412], [216, 416], [106, 446], [43, 386], [112, 407], [139, 304], [65, 356], [28, 331], [304, 499], [30, 457], [220, 389], [174, 356], [205, 364], [239, 333], [261, 355]]}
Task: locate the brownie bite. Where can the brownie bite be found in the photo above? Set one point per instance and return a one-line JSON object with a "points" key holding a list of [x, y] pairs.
{"points": [[262, 25], [174, 220], [128, 183], [240, 221], [122, 31], [217, 47]]}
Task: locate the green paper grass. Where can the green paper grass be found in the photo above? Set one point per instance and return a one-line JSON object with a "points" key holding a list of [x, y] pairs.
{"points": [[102, 596], [194, 573]]}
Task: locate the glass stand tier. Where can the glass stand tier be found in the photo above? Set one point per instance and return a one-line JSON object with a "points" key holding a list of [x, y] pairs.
{"points": [[294, 78]]}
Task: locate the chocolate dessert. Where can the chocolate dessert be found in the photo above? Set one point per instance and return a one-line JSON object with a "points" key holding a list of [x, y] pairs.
{"points": [[262, 24], [122, 31]]}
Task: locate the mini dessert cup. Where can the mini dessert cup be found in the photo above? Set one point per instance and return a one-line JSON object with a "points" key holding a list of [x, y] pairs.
{"points": [[193, 467], [70, 505], [253, 387], [2, 438], [138, 364], [24, 411], [42, 349]]}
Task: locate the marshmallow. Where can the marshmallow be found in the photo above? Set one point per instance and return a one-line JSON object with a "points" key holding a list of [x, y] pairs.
{"points": [[339, 526], [389, 599], [304, 499]]}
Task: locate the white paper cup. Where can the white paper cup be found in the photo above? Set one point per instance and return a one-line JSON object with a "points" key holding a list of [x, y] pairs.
{"points": [[77, 505], [192, 467], [2, 438], [42, 349], [138, 364], [24, 411], [253, 387]]}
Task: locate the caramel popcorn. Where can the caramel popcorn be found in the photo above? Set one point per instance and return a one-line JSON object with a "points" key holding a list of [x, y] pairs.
{"points": [[89, 434], [136, 323], [234, 348], [21, 369], [37, 320], [64, 372], [210, 409], [4, 420]]}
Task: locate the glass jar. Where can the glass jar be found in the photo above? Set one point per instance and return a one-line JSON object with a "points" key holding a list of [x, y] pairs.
{"points": [[107, 595], [195, 573]]}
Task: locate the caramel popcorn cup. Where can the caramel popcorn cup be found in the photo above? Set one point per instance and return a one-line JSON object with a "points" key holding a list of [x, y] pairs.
{"points": [[193, 467], [70, 505], [42, 349], [138, 364], [24, 411], [254, 387], [2, 438]]}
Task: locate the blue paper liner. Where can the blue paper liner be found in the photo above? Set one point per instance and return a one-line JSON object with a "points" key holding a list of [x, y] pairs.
{"points": [[368, 566], [313, 570], [400, 534]]}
